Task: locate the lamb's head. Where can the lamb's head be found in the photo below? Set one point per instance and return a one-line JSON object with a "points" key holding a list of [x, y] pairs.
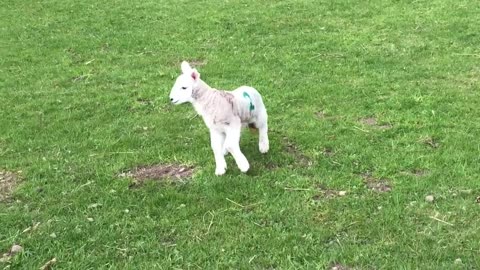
{"points": [[183, 88]]}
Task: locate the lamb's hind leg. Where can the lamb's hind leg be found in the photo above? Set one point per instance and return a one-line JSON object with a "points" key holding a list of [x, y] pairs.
{"points": [[262, 125], [232, 145], [217, 140]]}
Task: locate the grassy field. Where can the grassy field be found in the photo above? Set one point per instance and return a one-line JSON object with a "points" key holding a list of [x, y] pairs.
{"points": [[373, 106]]}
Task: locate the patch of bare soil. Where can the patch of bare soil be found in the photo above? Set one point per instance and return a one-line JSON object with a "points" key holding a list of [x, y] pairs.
{"points": [[430, 141], [372, 121], [327, 193], [159, 172], [376, 184], [271, 165], [328, 152], [369, 121], [197, 62], [13, 251], [300, 159], [322, 115], [8, 182], [144, 101]]}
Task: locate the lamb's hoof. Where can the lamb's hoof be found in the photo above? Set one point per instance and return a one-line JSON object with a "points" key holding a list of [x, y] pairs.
{"points": [[220, 171], [244, 167], [225, 152], [263, 147]]}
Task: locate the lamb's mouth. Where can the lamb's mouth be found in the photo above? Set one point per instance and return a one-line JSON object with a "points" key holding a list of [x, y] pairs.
{"points": [[174, 102]]}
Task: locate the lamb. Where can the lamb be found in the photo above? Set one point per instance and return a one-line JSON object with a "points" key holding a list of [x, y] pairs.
{"points": [[224, 113]]}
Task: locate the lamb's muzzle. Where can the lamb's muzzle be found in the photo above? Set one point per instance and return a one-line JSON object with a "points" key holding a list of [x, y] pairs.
{"points": [[224, 113]]}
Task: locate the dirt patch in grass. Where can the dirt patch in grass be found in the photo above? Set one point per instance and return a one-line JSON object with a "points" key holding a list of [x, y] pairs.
{"points": [[159, 172], [322, 115], [197, 62], [430, 141], [369, 121], [326, 193], [328, 152], [13, 251], [300, 159], [8, 182], [271, 165], [372, 122], [376, 184], [419, 172], [144, 101]]}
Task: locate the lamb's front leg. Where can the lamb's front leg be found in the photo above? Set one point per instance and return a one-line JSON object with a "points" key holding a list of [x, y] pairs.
{"points": [[217, 140]]}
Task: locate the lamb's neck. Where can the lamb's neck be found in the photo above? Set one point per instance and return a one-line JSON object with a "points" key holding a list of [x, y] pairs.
{"points": [[201, 96]]}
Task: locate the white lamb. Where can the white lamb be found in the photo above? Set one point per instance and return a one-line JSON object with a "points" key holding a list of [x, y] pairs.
{"points": [[224, 113]]}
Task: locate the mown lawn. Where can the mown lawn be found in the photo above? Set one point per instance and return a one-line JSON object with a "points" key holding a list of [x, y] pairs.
{"points": [[373, 106]]}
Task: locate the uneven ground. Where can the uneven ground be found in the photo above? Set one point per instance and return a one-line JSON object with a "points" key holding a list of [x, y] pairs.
{"points": [[374, 105]]}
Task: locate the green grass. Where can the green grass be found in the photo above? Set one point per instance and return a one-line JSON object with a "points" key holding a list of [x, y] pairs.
{"points": [[79, 81]]}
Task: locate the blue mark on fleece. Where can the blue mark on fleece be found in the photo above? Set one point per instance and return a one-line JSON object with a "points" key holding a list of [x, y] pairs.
{"points": [[246, 95]]}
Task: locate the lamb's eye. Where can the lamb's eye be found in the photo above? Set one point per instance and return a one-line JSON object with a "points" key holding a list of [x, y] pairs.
{"points": [[184, 88]]}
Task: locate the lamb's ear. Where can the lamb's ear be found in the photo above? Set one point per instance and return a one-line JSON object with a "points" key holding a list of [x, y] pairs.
{"points": [[186, 68], [195, 74]]}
